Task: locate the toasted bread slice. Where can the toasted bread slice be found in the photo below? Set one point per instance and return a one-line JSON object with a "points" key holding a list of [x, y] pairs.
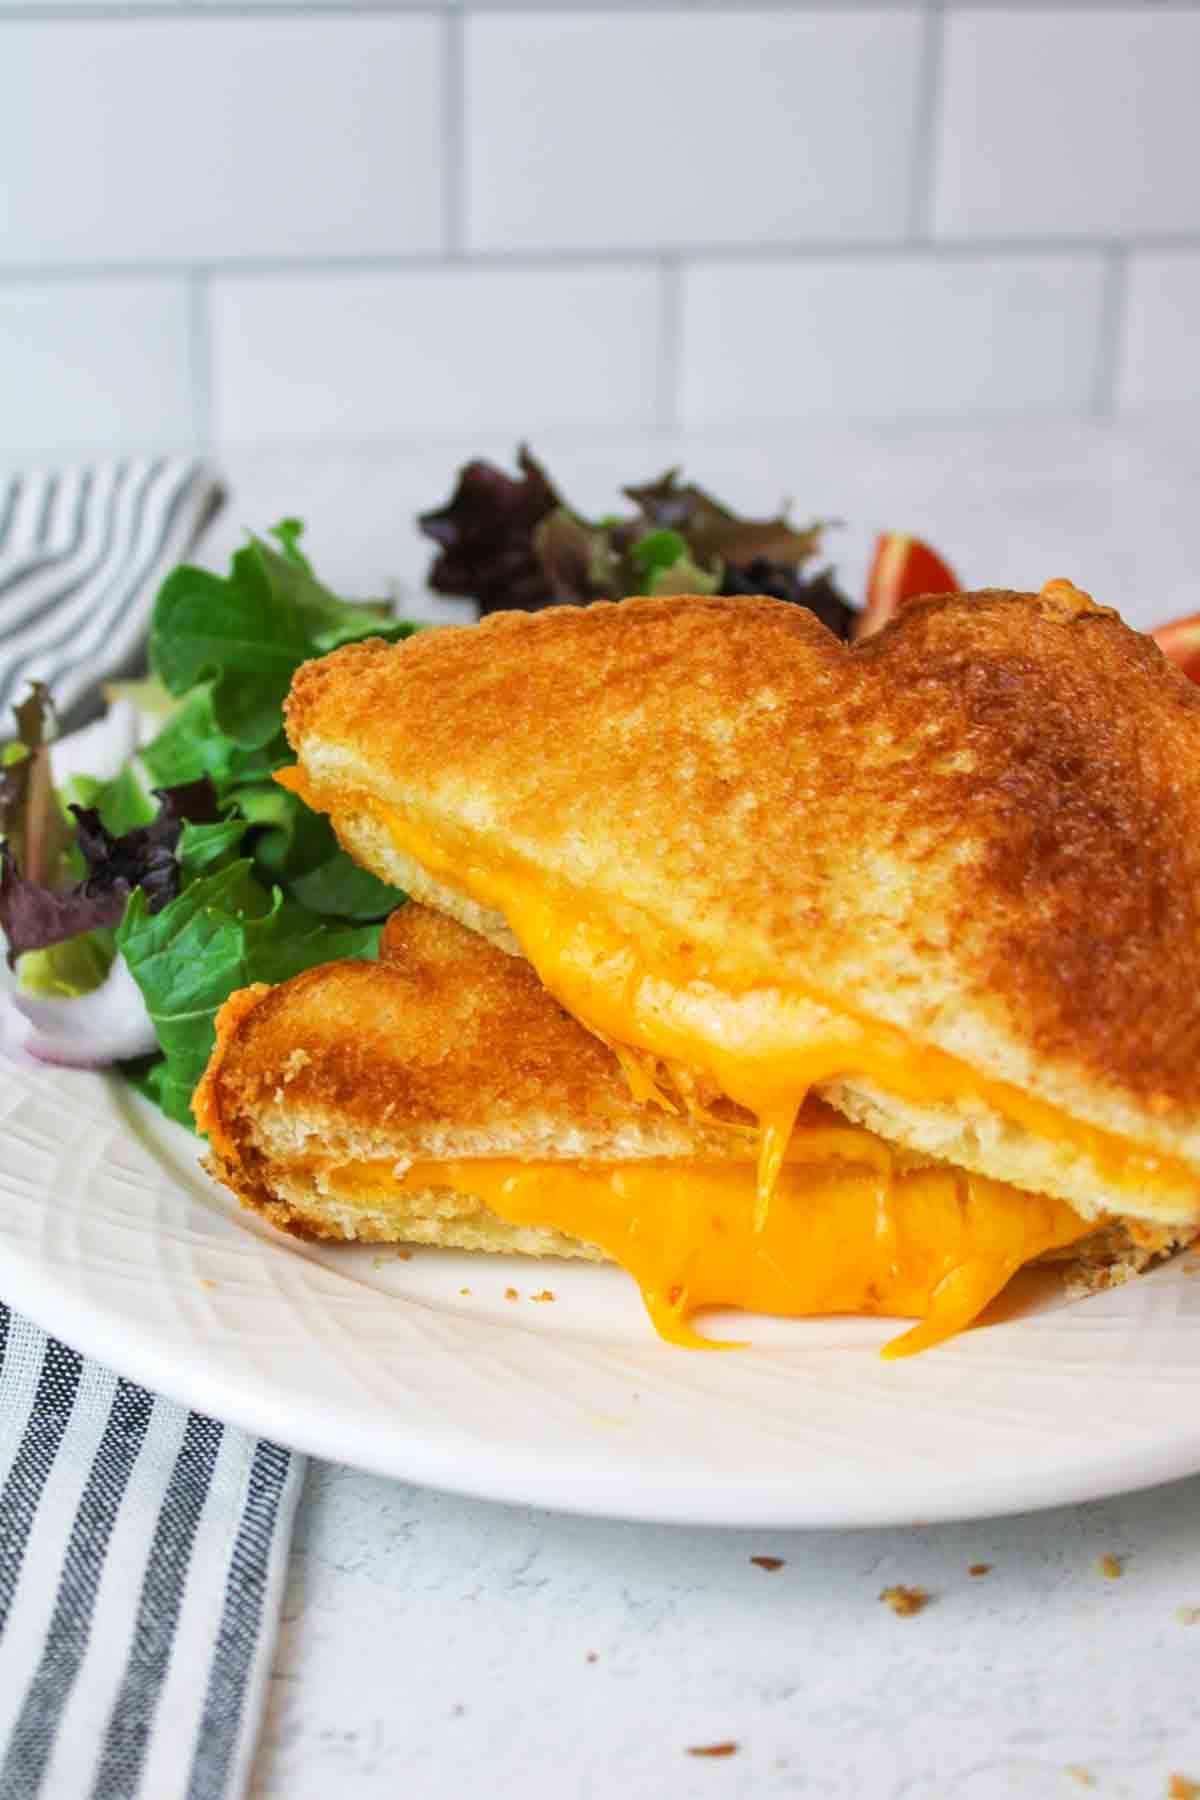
{"points": [[441, 1096], [949, 878]]}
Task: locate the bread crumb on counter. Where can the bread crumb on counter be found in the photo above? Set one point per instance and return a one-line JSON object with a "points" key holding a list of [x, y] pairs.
{"points": [[1083, 1776], [545, 1294], [1112, 1567], [904, 1601], [1188, 1615], [1180, 1788], [980, 1569], [510, 1293], [769, 1563], [726, 1749]]}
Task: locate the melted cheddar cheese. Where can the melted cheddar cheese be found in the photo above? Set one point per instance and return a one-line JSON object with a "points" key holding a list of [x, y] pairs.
{"points": [[929, 1244], [764, 1047]]}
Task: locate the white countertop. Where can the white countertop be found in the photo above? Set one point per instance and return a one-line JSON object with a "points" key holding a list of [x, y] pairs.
{"points": [[439, 1647], [442, 1647]]}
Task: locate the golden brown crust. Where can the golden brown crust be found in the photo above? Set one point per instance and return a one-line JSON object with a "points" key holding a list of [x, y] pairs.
{"points": [[982, 825], [1082, 793]]}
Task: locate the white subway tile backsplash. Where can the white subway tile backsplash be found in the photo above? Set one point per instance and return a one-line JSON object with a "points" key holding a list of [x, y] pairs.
{"points": [[901, 336], [678, 128], [430, 217], [1159, 358], [1068, 122], [439, 351], [95, 364], [219, 137]]}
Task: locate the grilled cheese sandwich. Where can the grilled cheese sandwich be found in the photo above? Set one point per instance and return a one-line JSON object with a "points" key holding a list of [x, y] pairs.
{"points": [[441, 1096], [759, 864]]}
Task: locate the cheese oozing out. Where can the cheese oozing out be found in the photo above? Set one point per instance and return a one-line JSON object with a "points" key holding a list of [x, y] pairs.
{"points": [[764, 1047], [851, 1236]]}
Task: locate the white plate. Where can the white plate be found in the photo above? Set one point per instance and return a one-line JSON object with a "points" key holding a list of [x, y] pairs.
{"points": [[112, 1237]]}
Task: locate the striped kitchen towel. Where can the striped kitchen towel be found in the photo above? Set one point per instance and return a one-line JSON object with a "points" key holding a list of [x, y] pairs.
{"points": [[82, 552], [143, 1548], [143, 1551]]}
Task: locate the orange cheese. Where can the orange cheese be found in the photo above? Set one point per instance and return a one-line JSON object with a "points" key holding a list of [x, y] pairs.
{"points": [[764, 1047], [930, 1244]]}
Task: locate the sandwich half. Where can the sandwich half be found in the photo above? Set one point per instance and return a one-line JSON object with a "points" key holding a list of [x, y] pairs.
{"points": [[947, 880], [442, 1096]]}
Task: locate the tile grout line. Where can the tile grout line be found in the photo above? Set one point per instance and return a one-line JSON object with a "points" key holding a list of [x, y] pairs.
{"points": [[200, 360], [1109, 335], [573, 258], [454, 171], [106, 10], [922, 166], [667, 397], [100, 10]]}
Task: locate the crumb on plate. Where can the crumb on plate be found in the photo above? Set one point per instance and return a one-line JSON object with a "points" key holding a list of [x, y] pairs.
{"points": [[904, 1601]]}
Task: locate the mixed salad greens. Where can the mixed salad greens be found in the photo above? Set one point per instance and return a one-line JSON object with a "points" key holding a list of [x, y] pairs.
{"points": [[146, 874], [514, 544], [138, 897]]}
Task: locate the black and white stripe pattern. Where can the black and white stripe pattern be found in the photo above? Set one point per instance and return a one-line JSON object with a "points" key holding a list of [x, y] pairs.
{"points": [[143, 1552], [82, 553]]}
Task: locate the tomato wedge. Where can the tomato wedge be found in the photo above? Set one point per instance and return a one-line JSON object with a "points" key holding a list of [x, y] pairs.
{"points": [[1180, 640], [902, 569]]}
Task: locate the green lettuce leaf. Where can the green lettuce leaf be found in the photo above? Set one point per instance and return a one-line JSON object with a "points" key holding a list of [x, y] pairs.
{"points": [[289, 838], [248, 632], [203, 849], [341, 888], [666, 566], [191, 744]]}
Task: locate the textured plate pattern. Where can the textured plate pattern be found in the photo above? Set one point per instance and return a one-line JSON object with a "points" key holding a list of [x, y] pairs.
{"points": [[111, 1236]]}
